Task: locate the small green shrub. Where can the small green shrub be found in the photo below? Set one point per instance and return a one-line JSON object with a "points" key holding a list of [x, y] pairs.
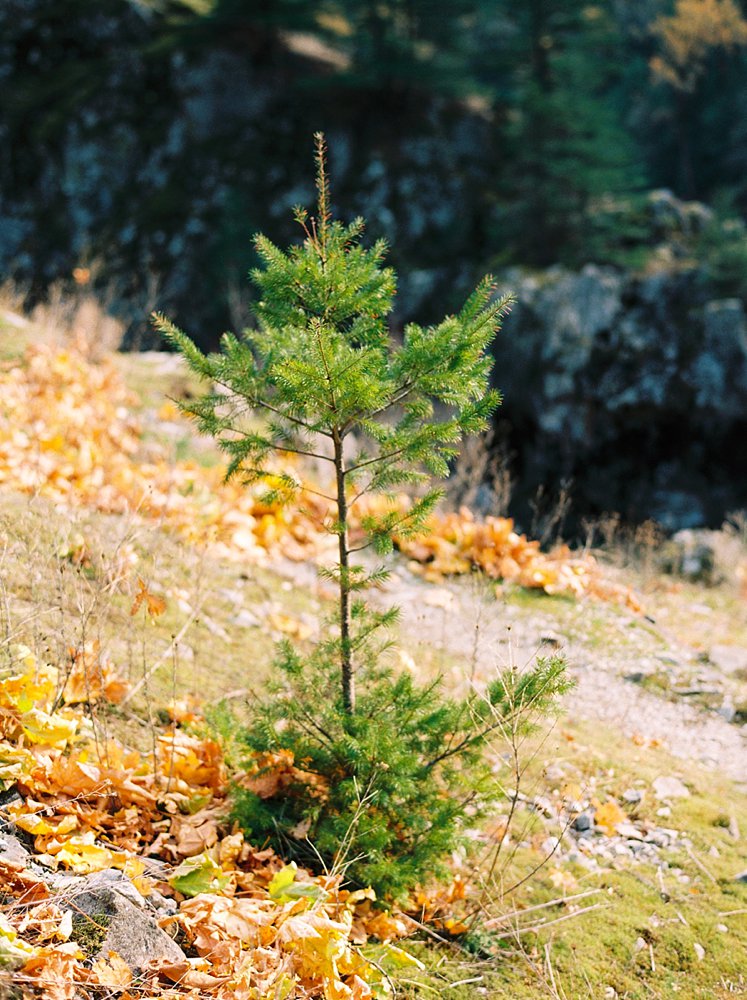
{"points": [[398, 775]]}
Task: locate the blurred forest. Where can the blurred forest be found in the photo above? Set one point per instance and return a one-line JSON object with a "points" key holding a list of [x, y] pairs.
{"points": [[153, 137], [592, 155]]}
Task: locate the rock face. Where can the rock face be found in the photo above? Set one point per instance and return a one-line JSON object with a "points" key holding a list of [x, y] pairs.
{"points": [[633, 388]]}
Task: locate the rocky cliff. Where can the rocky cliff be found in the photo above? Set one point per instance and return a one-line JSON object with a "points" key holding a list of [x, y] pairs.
{"points": [[634, 388]]}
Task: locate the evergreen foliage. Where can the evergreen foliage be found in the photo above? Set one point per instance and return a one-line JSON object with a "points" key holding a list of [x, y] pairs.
{"points": [[330, 383]]}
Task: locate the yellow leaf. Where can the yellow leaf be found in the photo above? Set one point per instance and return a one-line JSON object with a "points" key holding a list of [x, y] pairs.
{"points": [[608, 816], [83, 856], [113, 971], [154, 604], [49, 730]]}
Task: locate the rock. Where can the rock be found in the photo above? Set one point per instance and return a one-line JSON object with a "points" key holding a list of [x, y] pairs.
{"points": [[542, 804], [106, 919], [741, 876], [722, 928], [601, 368], [667, 787], [245, 619], [439, 597], [582, 822], [729, 659], [629, 831], [632, 795], [658, 838], [554, 773], [699, 951], [696, 556], [727, 709]]}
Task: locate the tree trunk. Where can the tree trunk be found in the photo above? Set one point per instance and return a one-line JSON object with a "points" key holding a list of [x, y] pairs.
{"points": [[346, 657]]}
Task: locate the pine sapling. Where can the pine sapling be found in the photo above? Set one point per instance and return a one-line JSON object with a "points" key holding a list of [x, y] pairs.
{"points": [[375, 751], [321, 364]]}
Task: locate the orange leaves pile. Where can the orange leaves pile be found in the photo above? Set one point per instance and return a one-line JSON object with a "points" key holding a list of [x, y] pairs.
{"points": [[457, 543], [68, 431], [256, 928]]}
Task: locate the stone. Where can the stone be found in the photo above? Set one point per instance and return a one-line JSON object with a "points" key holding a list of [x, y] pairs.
{"points": [[741, 876], [599, 361], [696, 556], [668, 787], [629, 831], [542, 804], [632, 795], [584, 821], [699, 951], [658, 838], [106, 919], [245, 619], [554, 773], [729, 659]]}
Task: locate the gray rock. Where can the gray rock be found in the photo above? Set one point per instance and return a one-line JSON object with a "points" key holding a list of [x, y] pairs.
{"points": [[629, 831], [667, 787], [108, 920], [729, 659], [658, 838], [741, 876], [632, 795], [245, 619], [603, 363], [585, 821]]}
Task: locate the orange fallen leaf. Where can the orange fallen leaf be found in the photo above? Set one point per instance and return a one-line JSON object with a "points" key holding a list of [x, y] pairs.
{"points": [[154, 604]]}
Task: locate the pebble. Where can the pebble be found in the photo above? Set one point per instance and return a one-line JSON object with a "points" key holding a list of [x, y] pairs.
{"points": [[699, 951], [657, 837], [722, 928], [629, 831], [584, 821], [741, 876], [553, 772], [728, 658], [245, 619], [632, 795], [668, 787]]}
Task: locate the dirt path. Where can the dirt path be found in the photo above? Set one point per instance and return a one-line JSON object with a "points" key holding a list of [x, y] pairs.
{"points": [[474, 632]]}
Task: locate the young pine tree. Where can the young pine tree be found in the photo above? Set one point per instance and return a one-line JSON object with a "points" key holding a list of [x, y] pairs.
{"points": [[382, 756]]}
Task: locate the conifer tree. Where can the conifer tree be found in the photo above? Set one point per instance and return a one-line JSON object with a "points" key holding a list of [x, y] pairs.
{"points": [[385, 769], [322, 365]]}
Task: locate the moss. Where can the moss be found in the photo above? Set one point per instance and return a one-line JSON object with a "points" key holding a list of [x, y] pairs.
{"points": [[90, 930], [659, 682]]}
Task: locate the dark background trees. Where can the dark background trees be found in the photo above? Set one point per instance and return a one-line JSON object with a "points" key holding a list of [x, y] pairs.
{"points": [[145, 141], [155, 137]]}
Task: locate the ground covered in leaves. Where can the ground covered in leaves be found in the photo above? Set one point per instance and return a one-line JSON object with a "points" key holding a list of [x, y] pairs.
{"points": [[137, 590]]}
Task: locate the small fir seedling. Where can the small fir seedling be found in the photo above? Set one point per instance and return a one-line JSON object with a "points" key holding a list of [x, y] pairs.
{"points": [[321, 366]]}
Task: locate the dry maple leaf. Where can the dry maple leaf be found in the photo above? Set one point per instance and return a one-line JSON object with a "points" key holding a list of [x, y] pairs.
{"points": [[154, 605]]}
